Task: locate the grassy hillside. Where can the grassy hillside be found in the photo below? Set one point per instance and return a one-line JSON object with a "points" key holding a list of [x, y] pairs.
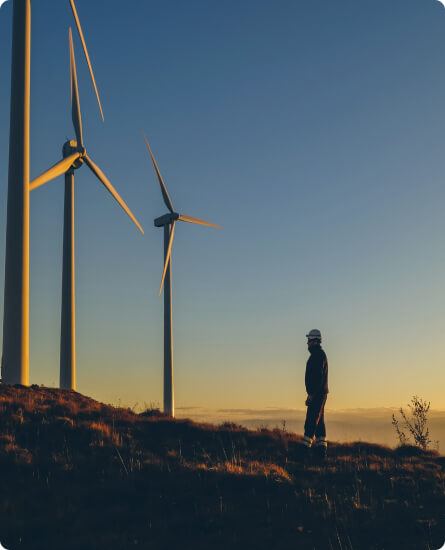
{"points": [[78, 474]]}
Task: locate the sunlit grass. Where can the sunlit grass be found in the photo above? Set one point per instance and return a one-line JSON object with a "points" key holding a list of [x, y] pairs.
{"points": [[163, 481]]}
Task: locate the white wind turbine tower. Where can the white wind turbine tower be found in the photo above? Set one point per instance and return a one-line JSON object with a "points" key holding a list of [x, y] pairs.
{"points": [[74, 155], [168, 222]]}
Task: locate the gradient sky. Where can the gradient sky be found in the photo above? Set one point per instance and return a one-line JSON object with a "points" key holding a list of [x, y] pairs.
{"points": [[313, 131]]}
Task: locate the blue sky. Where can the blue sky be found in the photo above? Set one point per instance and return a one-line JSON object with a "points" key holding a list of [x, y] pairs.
{"points": [[312, 131]]}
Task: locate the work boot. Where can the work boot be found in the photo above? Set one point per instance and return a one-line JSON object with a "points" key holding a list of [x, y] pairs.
{"points": [[305, 446], [320, 452], [305, 453]]}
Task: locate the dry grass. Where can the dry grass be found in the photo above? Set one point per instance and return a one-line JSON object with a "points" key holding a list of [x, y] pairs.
{"points": [[76, 473]]}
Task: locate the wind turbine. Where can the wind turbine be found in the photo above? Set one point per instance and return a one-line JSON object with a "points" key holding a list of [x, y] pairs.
{"points": [[168, 222], [74, 155], [15, 358]]}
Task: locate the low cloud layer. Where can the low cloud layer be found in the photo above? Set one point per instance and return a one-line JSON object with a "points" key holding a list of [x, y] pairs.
{"points": [[371, 425]]}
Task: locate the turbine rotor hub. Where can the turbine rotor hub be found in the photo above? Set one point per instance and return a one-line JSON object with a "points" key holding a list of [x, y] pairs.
{"points": [[70, 147]]}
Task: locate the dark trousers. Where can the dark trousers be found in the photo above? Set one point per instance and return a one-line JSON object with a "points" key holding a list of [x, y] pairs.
{"points": [[314, 424]]}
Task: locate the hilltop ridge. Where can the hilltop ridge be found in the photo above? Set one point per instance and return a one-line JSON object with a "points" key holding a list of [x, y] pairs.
{"points": [[76, 473]]}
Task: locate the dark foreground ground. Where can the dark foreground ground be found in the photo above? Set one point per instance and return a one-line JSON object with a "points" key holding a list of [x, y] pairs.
{"points": [[77, 474]]}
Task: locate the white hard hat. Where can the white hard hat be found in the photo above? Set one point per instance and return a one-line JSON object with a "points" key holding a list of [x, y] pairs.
{"points": [[314, 334]]}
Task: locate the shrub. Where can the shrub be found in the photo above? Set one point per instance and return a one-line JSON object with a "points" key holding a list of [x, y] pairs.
{"points": [[416, 424]]}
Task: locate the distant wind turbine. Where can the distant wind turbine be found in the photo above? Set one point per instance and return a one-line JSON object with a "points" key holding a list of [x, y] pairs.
{"points": [[168, 222], [74, 155], [15, 358]]}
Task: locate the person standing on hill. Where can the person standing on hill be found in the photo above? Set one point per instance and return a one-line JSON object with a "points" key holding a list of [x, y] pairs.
{"points": [[316, 380]]}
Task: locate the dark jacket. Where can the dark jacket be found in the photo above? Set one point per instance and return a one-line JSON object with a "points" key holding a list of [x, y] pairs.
{"points": [[317, 372]]}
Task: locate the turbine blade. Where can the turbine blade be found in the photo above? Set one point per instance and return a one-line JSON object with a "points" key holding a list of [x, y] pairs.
{"points": [[168, 202], [168, 256], [189, 219], [79, 28], [101, 176], [55, 171], [75, 105]]}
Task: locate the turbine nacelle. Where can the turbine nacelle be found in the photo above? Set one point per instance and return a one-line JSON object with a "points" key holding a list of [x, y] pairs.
{"points": [[166, 219], [70, 148]]}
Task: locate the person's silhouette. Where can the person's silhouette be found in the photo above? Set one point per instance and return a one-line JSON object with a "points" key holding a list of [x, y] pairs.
{"points": [[316, 380]]}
